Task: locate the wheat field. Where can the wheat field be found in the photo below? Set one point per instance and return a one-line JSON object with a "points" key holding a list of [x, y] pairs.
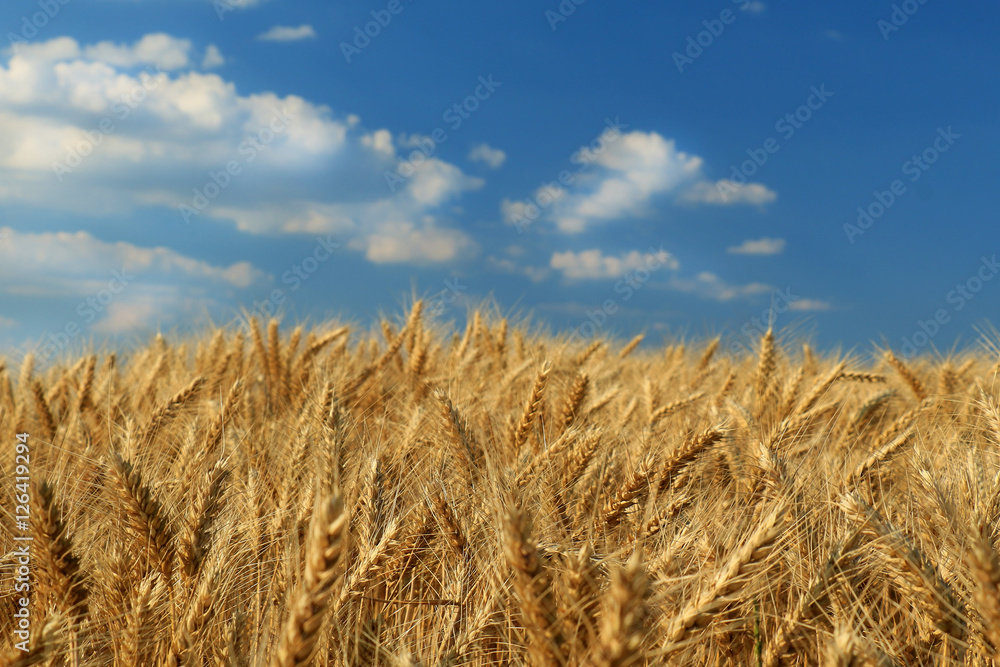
{"points": [[419, 496]]}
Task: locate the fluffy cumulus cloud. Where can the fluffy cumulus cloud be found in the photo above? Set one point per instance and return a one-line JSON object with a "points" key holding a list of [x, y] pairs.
{"points": [[113, 128], [396, 242], [764, 246], [282, 33], [593, 264], [162, 50], [492, 157], [620, 175], [122, 286], [159, 49]]}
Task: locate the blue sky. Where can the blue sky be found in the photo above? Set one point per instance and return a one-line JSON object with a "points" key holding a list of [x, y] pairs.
{"points": [[608, 168]]}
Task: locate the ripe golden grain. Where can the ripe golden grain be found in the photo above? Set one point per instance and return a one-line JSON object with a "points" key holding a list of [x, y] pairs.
{"points": [[788, 512]]}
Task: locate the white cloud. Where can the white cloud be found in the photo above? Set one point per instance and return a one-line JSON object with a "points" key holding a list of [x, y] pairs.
{"points": [[515, 210], [764, 246], [728, 193], [380, 141], [636, 167], [122, 317], [142, 282], [159, 49], [753, 7], [70, 261], [709, 286], [399, 242], [593, 264], [172, 134], [58, 48], [494, 157], [213, 58], [436, 182], [621, 175], [809, 304], [282, 33]]}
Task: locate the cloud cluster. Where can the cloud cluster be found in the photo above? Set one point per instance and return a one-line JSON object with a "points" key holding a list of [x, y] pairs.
{"points": [[141, 139], [136, 129], [622, 175], [152, 283], [158, 49], [594, 264]]}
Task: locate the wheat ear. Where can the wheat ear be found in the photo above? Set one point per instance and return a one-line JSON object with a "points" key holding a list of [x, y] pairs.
{"points": [[169, 410], [632, 344], [905, 372], [194, 540], [60, 565], [299, 640], [531, 410], [577, 394], [624, 614], [533, 584], [729, 578], [146, 518], [48, 423]]}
